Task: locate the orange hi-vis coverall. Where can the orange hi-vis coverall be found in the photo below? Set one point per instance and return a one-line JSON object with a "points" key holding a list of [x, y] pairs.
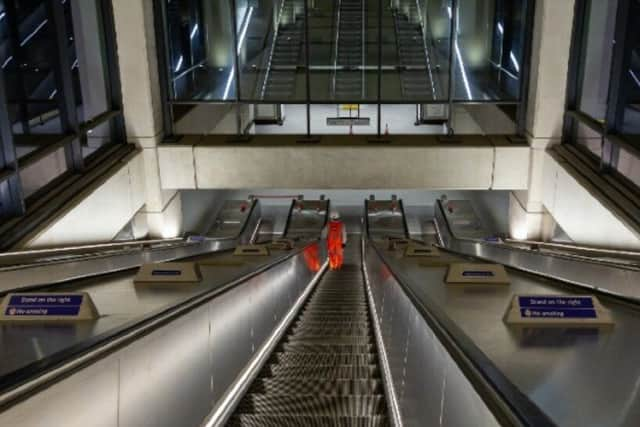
{"points": [[335, 240]]}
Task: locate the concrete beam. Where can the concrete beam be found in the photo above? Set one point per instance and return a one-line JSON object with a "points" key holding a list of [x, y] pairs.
{"points": [[405, 163]]}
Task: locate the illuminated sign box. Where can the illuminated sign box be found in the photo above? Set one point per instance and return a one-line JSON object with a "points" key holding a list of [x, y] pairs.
{"points": [[486, 274], [557, 310], [169, 272], [251, 250], [47, 307], [394, 243], [421, 251], [281, 245]]}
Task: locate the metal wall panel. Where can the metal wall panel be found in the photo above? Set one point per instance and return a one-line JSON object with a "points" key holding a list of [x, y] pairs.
{"points": [[88, 398], [171, 365], [429, 386], [176, 374], [603, 277]]}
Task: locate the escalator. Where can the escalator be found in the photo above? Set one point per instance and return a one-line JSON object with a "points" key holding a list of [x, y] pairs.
{"points": [[348, 79], [416, 79], [325, 371], [280, 82]]}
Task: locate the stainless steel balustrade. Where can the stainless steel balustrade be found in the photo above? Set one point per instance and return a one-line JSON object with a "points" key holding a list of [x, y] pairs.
{"points": [[427, 386], [178, 366], [611, 279], [53, 271]]}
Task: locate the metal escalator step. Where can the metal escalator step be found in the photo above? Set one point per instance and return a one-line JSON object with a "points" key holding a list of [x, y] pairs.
{"points": [[329, 340], [330, 332], [335, 295], [252, 420], [332, 324], [317, 386], [335, 318], [316, 347], [324, 358], [343, 324], [331, 306], [337, 312], [362, 372], [347, 337], [313, 405]]}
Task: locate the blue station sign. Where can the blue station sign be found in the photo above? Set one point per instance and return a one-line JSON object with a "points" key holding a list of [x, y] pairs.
{"points": [[44, 305], [557, 307]]}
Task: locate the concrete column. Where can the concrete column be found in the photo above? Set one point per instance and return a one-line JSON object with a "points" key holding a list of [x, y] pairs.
{"points": [[137, 56], [549, 68]]}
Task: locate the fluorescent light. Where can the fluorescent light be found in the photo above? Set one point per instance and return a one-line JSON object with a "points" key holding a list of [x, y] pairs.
{"points": [[194, 32], [6, 62], [243, 32], [229, 81], [465, 79], [179, 64], [2, 15], [53, 94], [514, 61], [500, 28], [30, 36], [635, 78]]}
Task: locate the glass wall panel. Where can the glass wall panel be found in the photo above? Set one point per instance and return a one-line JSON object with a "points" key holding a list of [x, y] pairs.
{"points": [[98, 137], [587, 138], [28, 58], [488, 49], [595, 58], [42, 172], [344, 55], [271, 38], [631, 125], [629, 166], [89, 65], [201, 50], [416, 51]]}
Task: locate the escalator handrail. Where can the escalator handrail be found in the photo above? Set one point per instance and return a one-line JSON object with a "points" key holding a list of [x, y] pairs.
{"points": [[507, 403], [508, 246], [288, 223], [571, 246], [22, 383], [110, 245], [107, 249]]}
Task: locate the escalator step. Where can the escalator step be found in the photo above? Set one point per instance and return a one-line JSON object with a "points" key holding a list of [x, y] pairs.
{"points": [[332, 324], [323, 371], [313, 405], [250, 420], [335, 330], [293, 386], [329, 340], [305, 347], [323, 358]]}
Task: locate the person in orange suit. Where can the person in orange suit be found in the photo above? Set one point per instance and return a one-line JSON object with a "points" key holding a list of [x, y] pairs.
{"points": [[336, 235]]}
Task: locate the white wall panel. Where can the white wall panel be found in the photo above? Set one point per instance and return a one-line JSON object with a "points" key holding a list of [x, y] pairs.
{"points": [[100, 213], [580, 214]]}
